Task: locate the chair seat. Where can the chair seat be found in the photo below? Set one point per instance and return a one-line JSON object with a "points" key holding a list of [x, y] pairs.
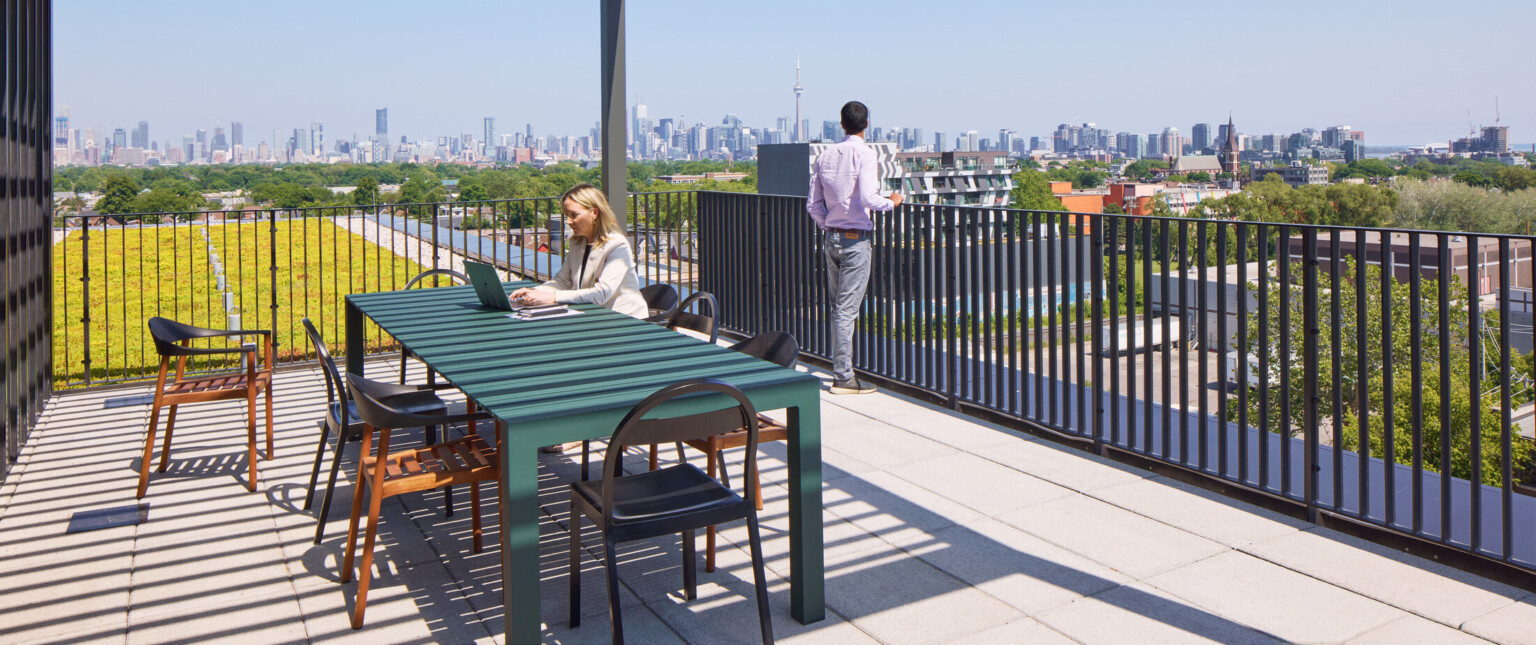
{"points": [[440, 464], [660, 494], [767, 430], [231, 385]]}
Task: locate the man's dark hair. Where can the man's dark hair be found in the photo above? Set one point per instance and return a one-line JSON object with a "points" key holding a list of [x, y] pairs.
{"points": [[855, 117]]}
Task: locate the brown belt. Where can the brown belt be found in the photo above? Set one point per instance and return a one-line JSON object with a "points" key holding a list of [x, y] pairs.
{"points": [[849, 233]]}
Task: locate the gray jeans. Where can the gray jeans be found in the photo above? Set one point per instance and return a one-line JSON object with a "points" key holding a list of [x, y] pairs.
{"points": [[848, 262]]}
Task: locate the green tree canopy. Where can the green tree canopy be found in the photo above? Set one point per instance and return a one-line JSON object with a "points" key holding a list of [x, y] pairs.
{"points": [[1032, 191], [118, 193]]}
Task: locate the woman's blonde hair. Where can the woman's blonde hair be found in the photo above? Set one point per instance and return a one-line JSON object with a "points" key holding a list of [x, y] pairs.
{"points": [[588, 196]]}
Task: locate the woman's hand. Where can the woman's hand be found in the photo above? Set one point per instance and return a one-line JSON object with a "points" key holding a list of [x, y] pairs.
{"points": [[530, 297]]}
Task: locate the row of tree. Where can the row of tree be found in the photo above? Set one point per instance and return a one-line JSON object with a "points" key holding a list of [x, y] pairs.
{"points": [[181, 188]]}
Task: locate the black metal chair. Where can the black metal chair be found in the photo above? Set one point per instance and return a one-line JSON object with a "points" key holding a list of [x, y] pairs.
{"points": [[341, 418], [661, 299], [468, 460], [704, 321], [676, 499], [405, 354], [775, 347], [173, 340]]}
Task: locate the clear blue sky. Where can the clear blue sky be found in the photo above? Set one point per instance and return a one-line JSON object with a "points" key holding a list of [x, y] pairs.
{"points": [[1405, 72]]}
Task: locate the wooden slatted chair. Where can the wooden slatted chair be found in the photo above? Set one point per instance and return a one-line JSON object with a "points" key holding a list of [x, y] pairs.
{"points": [[174, 340], [775, 347], [382, 474]]}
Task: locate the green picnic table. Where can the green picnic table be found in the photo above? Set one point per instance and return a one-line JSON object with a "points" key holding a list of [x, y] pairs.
{"points": [[573, 378]]}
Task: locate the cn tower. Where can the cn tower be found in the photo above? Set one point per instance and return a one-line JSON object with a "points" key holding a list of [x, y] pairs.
{"points": [[799, 136]]}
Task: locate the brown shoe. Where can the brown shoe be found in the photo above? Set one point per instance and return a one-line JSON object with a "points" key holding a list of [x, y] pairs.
{"points": [[560, 447]]}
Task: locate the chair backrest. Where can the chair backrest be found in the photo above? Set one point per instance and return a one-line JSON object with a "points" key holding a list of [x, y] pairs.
{"points": [[704, 321], [661, 299], [457, 277], [335, 388], [169, 334], [773, 346], [637, 429]]}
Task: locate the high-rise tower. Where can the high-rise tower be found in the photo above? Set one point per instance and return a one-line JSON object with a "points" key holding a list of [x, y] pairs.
{"points": [[799, 136]]}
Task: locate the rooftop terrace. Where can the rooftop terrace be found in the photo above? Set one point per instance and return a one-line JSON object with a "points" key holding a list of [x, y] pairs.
{"points": [[939, 528]]}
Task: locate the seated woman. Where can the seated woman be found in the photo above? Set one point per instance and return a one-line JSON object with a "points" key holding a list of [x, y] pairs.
{"points": [[599, 266]]}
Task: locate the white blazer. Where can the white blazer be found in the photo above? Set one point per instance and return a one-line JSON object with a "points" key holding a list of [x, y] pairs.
{"points": [[608, 277]]}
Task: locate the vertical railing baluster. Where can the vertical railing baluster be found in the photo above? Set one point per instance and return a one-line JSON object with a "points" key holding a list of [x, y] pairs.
{"points": [[1506, 426], [1243, 352], [1445, 385], [1287, 331], [1167, 351], [1309, 297], [1362, 371], [1388, 445], [1097, 290], [1223, 347], [1336, 324], [1474, 257], [1416, 347]]}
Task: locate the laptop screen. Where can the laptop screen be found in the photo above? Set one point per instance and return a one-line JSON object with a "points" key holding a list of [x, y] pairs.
{"points": [[487, 285]]}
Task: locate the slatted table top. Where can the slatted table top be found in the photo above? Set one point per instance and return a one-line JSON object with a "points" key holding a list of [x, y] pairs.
{"points": [[597, 364]]}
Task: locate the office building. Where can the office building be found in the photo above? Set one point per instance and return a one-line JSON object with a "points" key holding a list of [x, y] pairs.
{"points": [[955, 178], [317, 139], [1170, 143], [1296, 174], [490, 137], [219, 142], [236, 133], [831, 130], [1200, 137]]}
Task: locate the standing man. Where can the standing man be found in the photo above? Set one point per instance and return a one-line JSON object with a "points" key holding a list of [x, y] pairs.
{"points": [[844, 189]]}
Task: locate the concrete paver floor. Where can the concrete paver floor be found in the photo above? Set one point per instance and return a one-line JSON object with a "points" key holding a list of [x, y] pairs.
{"points": [[938, 528]]}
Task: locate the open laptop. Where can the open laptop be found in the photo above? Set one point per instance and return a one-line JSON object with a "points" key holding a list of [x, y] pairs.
{"points": [[487, 286]]}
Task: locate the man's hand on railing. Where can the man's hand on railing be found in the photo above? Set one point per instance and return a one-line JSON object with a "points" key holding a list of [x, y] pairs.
{"points": [[896, 199]]}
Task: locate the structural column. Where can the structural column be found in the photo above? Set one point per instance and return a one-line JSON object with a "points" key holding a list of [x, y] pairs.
{"points": [[615, 176]]}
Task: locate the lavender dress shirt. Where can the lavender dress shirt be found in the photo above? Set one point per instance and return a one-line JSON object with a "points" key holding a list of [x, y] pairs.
{"points": [[845, 186]]}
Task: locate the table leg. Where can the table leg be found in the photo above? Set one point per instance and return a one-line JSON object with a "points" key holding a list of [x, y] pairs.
{"points": [[520, 540], [355, 338], [807, 565]]}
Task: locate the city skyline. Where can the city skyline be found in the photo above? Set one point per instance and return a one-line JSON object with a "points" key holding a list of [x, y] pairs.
{"points": [[259, 69]]}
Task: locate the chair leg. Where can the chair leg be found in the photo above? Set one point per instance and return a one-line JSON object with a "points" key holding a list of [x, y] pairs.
{"points": [[314, 473], [250, 482], [655, 450], [366, 572], [474, 509], [330, 487], [709, 531], [610, 557], [690, 567], [764, 618], [165, 448], [269, 422], [574, 570], [149, 450], [405, 358], [357, 512]]}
